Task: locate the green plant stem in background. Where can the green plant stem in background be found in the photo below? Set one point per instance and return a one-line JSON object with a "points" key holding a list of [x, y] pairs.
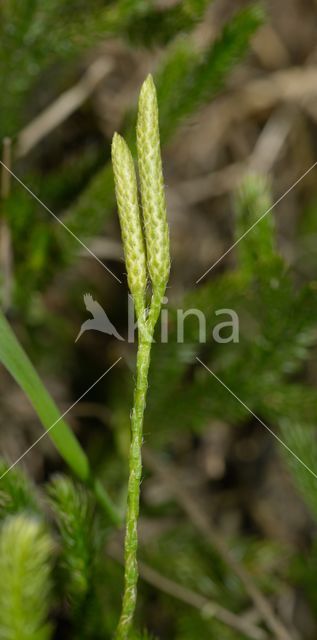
{"points": [[105, 501], [14, 358], [146, 249]]}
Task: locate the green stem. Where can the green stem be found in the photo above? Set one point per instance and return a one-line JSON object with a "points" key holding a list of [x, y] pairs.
{"points": [[146, 331], [131, 536], [156, 304]]}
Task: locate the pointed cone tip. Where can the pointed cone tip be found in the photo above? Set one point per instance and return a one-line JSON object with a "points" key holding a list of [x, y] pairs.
{"points": [[147, 86], [115, 138], [118, 143]]}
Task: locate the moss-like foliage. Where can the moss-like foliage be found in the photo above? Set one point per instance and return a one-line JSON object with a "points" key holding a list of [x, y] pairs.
{"points": [[25, 559]]}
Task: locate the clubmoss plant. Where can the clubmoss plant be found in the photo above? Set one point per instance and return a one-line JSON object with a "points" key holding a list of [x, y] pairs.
{"points": [[25, 552], [146, 248], [70, 505]]}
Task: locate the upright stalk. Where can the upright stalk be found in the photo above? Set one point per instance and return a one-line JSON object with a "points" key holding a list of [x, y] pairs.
{"points": [[131, 536], [146, 249]]}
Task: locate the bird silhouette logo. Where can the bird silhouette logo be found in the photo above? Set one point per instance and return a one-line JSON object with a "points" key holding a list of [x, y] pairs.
{"points": [[99, 321]]}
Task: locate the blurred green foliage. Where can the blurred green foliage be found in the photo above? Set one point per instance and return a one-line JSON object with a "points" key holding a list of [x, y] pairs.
{"points": [[25, 558], [185, 78], [85, 584], [277, 332], [266, 369], [260, 370], [16, 492]]}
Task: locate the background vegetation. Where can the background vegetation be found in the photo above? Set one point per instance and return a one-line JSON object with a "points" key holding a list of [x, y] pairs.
{"points": [[228, 514]]}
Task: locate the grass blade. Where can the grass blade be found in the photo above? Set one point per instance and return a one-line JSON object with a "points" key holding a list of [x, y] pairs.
{"points": [[15, 360]]}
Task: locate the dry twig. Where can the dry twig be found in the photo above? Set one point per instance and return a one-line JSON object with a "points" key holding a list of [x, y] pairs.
{"points": [[63, 107]]}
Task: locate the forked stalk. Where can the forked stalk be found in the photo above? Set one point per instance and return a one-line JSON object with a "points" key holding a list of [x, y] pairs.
{"points": [[146, 256]]}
